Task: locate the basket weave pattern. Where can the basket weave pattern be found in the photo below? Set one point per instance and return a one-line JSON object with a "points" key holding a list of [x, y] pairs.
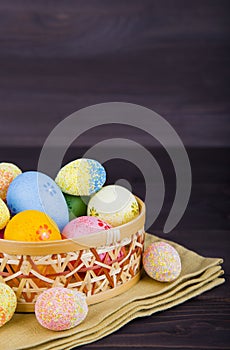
{"points": [[93, 270]]}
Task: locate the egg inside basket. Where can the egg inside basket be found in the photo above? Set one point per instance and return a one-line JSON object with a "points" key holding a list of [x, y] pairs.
{"points": [[31, 267]]}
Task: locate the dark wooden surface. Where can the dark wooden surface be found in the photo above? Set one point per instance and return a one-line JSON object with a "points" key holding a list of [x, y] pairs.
{"points": [[203, 322], [169, 55]]}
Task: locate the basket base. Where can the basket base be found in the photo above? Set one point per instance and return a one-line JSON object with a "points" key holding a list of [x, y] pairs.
{"points": [[93, 299]]}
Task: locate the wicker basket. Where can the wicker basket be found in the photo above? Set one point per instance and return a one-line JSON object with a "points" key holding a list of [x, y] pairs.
{"points": [[101, 265]]}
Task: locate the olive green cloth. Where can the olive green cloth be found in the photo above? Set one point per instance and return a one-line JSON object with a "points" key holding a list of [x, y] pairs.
{"points": [[198, 275]]}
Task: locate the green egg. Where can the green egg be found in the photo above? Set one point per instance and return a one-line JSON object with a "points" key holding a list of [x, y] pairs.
{"points": [[77, 205]]}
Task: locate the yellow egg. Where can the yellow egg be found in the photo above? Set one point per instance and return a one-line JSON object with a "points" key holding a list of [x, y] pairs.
{"points": [[32, 225], [11, 168], [8, 172], [4, 214], [5, 180]]}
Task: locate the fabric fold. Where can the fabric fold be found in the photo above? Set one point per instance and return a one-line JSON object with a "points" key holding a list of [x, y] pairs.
{"points": [[147, 297], [132, 311]]}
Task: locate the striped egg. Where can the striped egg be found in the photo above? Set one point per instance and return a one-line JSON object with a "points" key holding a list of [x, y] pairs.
{"points": [[162, 262], [81, 177]]}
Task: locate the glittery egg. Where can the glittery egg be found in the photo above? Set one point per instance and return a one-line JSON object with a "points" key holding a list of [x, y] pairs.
{"points": [[76, 205], [8, 303], [162, 262], [114, 204], [5, 180], [37, 191], [84, 225], [8, 172], [81, 177], [32, 225], [4, 214], [60, 308], [11, 168]]}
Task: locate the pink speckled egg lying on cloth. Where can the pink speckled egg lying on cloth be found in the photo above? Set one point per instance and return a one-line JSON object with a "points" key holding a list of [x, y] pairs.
{"points": [[61, 308], [162, 262], [84, 225]]}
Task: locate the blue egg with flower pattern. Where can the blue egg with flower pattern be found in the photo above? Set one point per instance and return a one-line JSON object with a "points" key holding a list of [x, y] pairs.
{"points": [[81, 177], [35, 190]]}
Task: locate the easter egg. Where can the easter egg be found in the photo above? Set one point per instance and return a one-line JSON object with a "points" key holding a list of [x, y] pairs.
{"points": [[5, 181], [81, 177], [84, 225], [32, 226], [4, 214], [162, 262], [8, 303], [11, 168], [8, 172], [76, 206], [114, 204], [37, 191], [60, 308]]}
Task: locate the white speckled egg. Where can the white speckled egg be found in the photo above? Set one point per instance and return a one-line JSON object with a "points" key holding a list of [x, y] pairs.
{"points": [[34, 190], [114, 204], [81, 177], [4, 214], [162, 262], [8, 303], [60, 308]]}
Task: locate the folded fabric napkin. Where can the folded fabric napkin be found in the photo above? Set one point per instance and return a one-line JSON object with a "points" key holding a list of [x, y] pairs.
{"points": [[198, 275]]}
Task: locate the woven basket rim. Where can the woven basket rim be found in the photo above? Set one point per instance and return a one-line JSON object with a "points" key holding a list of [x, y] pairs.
{"points": [[83, 242]]}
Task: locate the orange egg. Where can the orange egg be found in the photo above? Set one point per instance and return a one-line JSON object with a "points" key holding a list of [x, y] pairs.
{"points": [[11, 168], [32, 226], [8, 172], [5, 180]]}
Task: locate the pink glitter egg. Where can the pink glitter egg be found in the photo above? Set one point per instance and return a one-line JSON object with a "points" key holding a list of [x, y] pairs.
{"points": [[84, 225], [162, 262], [60, 308]]}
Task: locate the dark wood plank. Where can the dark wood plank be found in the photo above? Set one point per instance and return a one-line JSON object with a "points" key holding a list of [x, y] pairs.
{"points": [[189, 90], [79, 28], [171, 56]]}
